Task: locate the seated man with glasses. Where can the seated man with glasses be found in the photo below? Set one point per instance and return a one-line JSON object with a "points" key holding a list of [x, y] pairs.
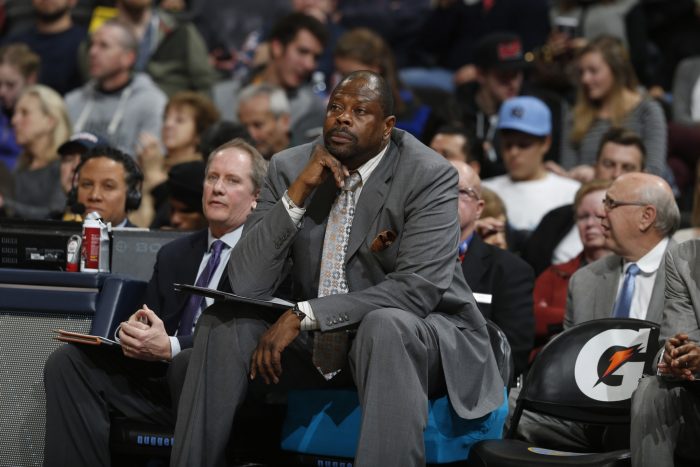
{"points": [[502, 283], [639, 216]]}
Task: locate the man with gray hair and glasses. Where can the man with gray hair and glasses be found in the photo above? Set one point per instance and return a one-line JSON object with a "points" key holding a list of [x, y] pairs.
{"points": [[640, 215], [264, 111], [639, 218]]}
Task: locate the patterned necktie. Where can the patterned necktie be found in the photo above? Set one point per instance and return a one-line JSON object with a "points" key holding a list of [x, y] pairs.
{"points": [[624, 300], [331, 348], [195, 302]]}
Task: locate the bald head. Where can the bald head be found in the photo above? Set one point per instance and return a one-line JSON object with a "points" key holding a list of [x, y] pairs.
{"points": [[470, 203], [374, 83], [640, 211]]}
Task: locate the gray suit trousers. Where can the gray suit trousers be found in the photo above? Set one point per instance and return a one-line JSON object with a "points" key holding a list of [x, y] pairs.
{"points": [[394, 361], [665, 422]]}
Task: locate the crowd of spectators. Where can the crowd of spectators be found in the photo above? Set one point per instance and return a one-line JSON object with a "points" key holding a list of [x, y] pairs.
{"points": [[546, 102]]}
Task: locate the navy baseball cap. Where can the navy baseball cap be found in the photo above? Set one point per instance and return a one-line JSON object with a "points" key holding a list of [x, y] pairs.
{"points": [[80, 143], [526, 114]]}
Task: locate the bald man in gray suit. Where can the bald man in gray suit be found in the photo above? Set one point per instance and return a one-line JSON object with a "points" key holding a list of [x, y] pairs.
{"points": [[666, 408], [417, 329], [639, 217]]}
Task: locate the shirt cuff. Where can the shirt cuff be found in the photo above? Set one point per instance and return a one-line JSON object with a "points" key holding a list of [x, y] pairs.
{"points": [[309, 322], [174, 346], [295, 212]]}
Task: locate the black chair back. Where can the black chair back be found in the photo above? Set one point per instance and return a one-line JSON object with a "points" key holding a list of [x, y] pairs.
{"points": [[589, 372]]}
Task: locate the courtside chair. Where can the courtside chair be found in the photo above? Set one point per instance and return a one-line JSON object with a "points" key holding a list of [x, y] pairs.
{"points": [[585, 374]]}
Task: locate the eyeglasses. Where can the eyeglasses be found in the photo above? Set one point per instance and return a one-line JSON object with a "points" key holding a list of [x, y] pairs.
{"points": [[469, 193], [609, 204]]}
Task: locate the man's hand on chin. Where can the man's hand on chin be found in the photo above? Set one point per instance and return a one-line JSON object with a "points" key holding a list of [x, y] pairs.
{"points": [[267, 357]]}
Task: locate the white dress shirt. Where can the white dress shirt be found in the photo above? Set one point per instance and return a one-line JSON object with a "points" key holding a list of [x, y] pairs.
{"points": [[644, 282], [230, 239]]}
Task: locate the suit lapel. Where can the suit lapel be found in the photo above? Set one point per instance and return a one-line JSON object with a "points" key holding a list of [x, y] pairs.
{"points": [[475, 263], [191, 259], [372, 199], [605, 293]]}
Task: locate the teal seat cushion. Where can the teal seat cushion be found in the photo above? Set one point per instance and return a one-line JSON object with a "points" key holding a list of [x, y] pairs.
{"points": [[327, 422]]}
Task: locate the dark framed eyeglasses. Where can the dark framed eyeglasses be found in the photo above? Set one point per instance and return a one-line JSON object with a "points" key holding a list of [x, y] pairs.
{"points": [[469, 193], [609, 204]]}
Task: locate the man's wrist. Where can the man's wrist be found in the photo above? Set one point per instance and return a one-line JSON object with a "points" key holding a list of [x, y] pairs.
{"points": [[297, 311], [290, 201]]}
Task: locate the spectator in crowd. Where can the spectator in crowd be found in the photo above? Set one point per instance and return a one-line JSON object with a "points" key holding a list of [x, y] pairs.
{"points": [[399, 22], [55, 39], [71, 152], [451, 33], [640, 214], [493, 226], [187, 116], [456, 144], [41, 125], [222, 132], [556, 238], [390, 295], [362, 49], [185, 196], [500, 75], [295, 43], [19, 68], [623, 19], [263, 109], [117, 102], [171, 52], [609, 96], [501, 282], [665, 417], [85, 384], [107, 181], [528, 190], [551, 286]]}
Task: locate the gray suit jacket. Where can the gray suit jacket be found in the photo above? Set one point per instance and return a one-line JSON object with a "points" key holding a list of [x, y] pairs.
{"points": [[682, 308], [593, 290], [412, 192]]}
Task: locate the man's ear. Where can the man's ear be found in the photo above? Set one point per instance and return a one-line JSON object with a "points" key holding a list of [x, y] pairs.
{"points": [[648, 219], [479, 208], [276, 48], [389, 123], [547, 143]]}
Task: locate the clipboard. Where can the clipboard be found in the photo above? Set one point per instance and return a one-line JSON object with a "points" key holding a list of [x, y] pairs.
{"points": [[274, 303], [80, 338]]}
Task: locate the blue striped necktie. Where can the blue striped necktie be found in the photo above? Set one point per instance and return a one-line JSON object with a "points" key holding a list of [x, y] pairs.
{"points": [[624, 300]]}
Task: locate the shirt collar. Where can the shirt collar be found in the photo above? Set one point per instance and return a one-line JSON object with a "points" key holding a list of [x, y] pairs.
{"points": [[650, 262], [229, 238], [368, 167]]}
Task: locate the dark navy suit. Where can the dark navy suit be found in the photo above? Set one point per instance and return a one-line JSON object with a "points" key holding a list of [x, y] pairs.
{"points": [[87, 386]]}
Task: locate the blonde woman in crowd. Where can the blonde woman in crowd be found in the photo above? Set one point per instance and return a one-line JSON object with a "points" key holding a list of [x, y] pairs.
{"points": [[608, 95], [41, 124]]}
